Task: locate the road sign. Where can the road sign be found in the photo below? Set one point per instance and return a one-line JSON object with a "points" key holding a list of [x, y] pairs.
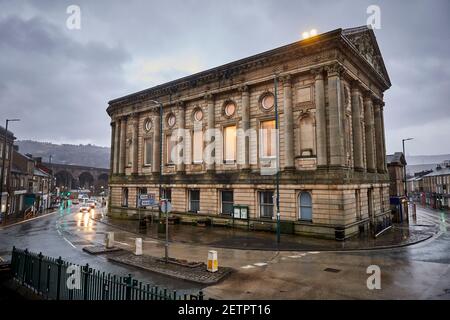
{"points": [[166, 206], [145, 200]]}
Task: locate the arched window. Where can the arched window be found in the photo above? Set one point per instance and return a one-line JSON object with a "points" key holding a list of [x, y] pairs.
{"points": [[305, 206]]}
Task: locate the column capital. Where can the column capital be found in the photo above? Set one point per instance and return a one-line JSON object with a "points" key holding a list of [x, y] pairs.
{"points": [[208, 97], [317, 73], [335, 69], [244, 88], [180, 105], [356, 86], [286, 79]]}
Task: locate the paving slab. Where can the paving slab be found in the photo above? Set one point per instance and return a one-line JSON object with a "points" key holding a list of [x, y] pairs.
{"points": [[197, 274]]}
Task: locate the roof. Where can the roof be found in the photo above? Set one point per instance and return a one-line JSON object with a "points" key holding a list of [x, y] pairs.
{"points": [[396, 159], [443, 171], [9, 133], [40, 173], [361, 40]]}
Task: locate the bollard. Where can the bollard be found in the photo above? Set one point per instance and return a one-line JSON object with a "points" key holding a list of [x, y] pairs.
{"points": [[213, 264], [138, 249], [109, 239]]}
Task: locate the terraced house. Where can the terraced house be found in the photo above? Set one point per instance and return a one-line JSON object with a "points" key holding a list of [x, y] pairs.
{"points": [[219, 143]]}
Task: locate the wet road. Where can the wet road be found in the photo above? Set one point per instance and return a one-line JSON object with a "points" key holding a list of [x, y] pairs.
{"points": [[64, 233], [420, 271]]}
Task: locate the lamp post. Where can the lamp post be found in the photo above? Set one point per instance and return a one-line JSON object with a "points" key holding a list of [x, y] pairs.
{"points": [[275, 80], [3, 168], [166, 247], [404, 167]]}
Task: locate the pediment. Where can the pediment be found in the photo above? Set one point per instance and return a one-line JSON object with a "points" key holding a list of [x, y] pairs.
{"points": [[363, 39]]}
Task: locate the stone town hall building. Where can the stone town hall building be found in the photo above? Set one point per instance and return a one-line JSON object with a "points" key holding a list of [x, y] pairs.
{"points": [[331, 139]]}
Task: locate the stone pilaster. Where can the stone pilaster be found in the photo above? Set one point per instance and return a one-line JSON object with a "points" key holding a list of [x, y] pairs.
{"points": [[211, 122], [369, 132], [336, 132], [116, 146], [384, 137], [111, 159], [245, 125], [181, 121], [378, 137], [288, 122], [321, 120], [123, 148], [358, 156], [135, 144]]}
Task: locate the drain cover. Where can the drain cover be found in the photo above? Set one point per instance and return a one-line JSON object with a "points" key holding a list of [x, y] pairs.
{"points": [[332, 270]]}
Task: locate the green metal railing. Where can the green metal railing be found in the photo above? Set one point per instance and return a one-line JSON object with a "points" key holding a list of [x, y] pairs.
{"points": [[56, 279]]}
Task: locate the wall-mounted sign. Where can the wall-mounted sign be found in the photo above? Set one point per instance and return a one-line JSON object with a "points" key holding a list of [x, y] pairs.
{"points": [[240, 212]]}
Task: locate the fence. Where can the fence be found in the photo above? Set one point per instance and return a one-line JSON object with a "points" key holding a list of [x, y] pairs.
{"points": [[56, 279]]}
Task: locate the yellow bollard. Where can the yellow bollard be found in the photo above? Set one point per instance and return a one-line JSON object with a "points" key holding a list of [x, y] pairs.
{"points": [[213, 264]]}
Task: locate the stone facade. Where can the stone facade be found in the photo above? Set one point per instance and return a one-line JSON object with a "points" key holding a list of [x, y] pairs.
{"points": [[328, 91]]}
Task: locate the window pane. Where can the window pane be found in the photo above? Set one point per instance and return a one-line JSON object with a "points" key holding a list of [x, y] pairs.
{"points": [[230, 143], [198, 146], [170, 146], [148, 151], [227, 196], [266, 204], [227, 202], [268, 139]]}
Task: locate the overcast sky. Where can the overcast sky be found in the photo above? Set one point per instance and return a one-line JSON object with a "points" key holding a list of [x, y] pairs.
{"points": [[58, 81]]}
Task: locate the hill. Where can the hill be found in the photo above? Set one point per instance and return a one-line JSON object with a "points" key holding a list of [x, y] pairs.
{"points": [[85, 155]]}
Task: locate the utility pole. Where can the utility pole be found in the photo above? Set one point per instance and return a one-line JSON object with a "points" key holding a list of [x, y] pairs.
{"points": [[278, 158], [404, 167]]}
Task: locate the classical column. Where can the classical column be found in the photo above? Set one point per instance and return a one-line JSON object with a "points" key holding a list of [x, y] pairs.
{"points": [[135, 145], [369, 131], [288, 122], [321, 120], [384, 136], [378, 137], [156, 135], [245, 125], [116, 144], [210, 165], [358, 157], [123, 145], [181, 137], [337, 156]]}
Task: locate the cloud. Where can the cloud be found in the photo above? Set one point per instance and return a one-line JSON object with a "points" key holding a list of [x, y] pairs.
{"points": [[58, 87], [59, 81]]}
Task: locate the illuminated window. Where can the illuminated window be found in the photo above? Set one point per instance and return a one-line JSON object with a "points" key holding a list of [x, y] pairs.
{"points": [[198, 115], [171, 120], [268, 101], [229, 153], [267, 141], [229, 109], [148, 145], [170, 145], [197, 146]]}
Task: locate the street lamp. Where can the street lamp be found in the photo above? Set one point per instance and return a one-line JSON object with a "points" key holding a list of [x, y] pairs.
{"points": [[3, 167], [278, 158], [404, 167], [166, 249]]}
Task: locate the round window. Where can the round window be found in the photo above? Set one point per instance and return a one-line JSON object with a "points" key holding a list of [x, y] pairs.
{"points": [[268, 101], [171, 120], [148, 125], [230, 108], [198, 115]]}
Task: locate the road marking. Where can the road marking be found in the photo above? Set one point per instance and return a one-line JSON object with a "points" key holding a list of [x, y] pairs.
{"points": [[123, 243], [260, 264], [69, 242], [249, 266], [313, 252], [1, 259], [295, 257]]}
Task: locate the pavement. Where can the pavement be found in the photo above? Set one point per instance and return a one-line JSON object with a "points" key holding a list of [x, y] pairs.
{"points": [[417, 271], [224, 237]]}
